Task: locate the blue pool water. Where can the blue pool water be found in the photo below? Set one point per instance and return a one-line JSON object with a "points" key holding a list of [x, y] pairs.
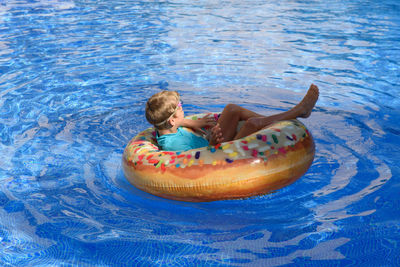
{"points": [[74, 78]]}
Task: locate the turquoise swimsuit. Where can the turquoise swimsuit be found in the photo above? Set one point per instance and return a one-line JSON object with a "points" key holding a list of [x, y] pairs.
{"points": [[182, 140]]}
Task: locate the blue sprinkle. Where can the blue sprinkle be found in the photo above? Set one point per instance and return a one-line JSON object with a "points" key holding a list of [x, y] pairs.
{"points": [[178, 153], [212, 149], [197, 155], [259, 136], [291, 139], [229, 160], [177, 165]]}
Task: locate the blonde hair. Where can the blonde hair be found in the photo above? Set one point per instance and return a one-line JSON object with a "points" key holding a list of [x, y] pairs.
{"points": [[160, 107]]}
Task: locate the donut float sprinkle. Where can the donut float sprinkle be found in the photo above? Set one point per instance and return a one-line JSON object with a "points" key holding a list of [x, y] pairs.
{"points": [[253, 157]]}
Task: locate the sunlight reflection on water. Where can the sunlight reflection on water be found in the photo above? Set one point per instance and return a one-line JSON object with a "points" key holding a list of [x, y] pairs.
{"points": [[74, 80]]}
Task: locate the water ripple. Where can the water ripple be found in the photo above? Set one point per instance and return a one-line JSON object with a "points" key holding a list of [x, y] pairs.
{"points": [[74, 77]]}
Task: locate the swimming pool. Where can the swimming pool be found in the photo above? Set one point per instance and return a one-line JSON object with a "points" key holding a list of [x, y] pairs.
{"points": [[74, 79]]}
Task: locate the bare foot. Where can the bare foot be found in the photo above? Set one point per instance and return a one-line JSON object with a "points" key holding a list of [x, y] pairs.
{"points": [[306, 105], [216, 135]]}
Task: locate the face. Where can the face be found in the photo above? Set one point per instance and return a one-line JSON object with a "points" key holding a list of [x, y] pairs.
{"points": [[178, 115], [180, 109]]}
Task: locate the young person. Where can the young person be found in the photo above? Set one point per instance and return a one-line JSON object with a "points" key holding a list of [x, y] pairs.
{"points": [[164, 111]]}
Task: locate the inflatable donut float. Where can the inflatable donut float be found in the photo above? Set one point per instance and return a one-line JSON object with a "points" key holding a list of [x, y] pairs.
{"points": [[257, 164]]}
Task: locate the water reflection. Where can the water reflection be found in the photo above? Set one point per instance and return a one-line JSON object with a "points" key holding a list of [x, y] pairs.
{"points": [[73, 85]]}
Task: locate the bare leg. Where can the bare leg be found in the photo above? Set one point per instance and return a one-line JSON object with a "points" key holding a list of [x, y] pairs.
{"points": [[301, 110], [230, 117], [232, 114]]}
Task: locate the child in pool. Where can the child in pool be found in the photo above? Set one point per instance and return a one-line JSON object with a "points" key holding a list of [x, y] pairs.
{"points": [[164, 111]]}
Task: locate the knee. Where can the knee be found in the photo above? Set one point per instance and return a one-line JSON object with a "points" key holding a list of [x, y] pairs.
{"points": [[232, 108]]}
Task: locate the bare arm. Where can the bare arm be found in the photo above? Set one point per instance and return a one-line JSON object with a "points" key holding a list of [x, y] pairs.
{"points": [[196, 125]]}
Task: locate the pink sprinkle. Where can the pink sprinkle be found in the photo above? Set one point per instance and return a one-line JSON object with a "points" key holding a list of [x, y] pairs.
{"points": [[282, 150], [264, 138], [245, 147], [189, 156], [254, 153]]}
